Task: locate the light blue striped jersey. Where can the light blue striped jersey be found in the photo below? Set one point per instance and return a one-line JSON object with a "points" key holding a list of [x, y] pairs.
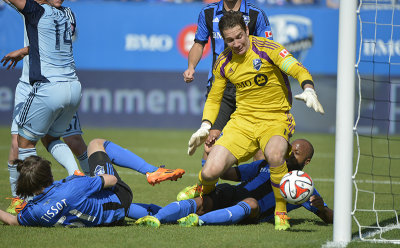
{"points": [[25, 67], [50, 43], [75, 201]]}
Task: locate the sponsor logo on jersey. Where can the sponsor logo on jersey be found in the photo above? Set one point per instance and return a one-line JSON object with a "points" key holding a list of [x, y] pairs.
{"points": [[185, 41], [283, 53], [99, 170], [260, 79], [217, 35], [257, 64]]}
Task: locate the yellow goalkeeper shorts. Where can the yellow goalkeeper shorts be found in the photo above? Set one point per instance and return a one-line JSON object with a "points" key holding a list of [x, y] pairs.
{"points": [[243, 135]]}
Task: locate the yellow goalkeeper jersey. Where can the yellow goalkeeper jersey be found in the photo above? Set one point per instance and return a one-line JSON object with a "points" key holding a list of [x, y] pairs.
{"points": [[260, 78]]}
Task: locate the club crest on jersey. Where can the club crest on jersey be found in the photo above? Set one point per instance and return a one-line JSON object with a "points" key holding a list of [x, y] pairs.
{"points": [[283, 53], [257, 64], [99, 170], [246, 19]]}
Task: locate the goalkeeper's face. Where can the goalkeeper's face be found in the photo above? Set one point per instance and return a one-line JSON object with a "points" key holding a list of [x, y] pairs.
{"points": [[237, 39]]}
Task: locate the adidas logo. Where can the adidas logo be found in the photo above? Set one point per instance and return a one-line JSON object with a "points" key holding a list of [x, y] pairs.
{"points": [[216, 19], [230, 70]]}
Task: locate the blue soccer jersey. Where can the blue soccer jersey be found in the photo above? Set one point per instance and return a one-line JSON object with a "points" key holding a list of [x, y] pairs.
{"points": [[255, 178], [76, 201], [207, 25], [50, 43]]}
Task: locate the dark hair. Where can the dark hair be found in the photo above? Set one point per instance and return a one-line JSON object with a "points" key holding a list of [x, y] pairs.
{"points": [[231, 19], [35, 174]]}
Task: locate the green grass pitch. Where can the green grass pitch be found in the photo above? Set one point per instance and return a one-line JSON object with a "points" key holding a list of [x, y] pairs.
{"points": [[169, 147]]}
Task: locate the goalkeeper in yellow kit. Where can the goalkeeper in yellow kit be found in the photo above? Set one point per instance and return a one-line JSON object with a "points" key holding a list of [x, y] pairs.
{"points": [[258, 68]]}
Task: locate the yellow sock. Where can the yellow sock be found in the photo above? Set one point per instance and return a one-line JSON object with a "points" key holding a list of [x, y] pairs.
{"points": [[276, 175], [208, 186]]}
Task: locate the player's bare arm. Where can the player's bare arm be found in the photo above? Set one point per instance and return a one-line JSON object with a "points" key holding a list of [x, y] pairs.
{"points": [[325, 213], [14, 57], [19, 4], [8, 219], [195, 54]]}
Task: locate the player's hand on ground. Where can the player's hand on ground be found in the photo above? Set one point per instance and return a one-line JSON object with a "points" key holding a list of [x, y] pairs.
{"points": [[198, 137], [12, 59], [310, 98], [188, 75], [317, 201]]}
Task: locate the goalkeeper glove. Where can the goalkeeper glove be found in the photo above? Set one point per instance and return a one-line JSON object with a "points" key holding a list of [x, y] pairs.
{"points": [[311, 100], [198, 137]]}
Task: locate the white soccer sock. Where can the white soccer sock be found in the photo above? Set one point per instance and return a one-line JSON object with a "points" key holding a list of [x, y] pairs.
{"points": [[14, 174], [63, 155]]}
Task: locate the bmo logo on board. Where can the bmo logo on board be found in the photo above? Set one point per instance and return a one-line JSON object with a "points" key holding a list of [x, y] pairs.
{"points": [[186, 39]]}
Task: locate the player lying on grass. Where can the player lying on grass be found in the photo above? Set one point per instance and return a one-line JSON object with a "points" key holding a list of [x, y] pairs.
{"points": [[79, 200], [250, 201]]}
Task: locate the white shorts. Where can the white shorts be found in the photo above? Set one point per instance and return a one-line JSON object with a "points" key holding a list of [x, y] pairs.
{"points": [[48, 109]]}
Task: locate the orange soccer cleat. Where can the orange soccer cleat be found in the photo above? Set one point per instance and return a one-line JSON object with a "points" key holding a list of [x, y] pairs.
{"points": [[162, 174]]}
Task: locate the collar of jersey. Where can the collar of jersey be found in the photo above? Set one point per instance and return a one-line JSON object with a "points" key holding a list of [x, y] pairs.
{"points": [[45, 191]]}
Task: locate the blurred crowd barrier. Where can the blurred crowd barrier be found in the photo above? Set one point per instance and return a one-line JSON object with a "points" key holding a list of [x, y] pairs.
{"points": [[130, 57]]}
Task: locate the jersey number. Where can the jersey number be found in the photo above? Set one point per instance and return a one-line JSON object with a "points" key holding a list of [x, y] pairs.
{"points": [[66, 35]]}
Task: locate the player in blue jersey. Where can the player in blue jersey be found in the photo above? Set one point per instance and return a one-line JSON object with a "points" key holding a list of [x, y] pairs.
{"points": [[72, 136], [79, 200], [250, 201]]}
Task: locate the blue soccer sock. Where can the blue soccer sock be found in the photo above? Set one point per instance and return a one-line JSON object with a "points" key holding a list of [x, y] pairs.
{"points": [[63, 155], [176, 210], [84, 163], [14, 174], [139, 210], [125, 158], [227, 216], [203, 161]]}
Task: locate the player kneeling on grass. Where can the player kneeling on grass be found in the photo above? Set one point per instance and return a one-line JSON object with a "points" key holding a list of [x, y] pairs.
{"points": [[250, 201], [78, 200]]}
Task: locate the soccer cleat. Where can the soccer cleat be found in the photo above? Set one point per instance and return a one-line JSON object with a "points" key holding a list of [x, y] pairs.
{"points": [[189, 192], [162, 174], [15, 201], [79, 173], [190, 220], [21, 206], [281, 221], [148, 221]]}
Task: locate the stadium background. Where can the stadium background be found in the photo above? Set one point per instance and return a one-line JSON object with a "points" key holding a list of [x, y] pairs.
{"points": [[130, 61]]}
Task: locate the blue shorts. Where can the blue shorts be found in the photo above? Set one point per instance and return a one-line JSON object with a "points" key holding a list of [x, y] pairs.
{"points": [[21, 94], [48, 109]]}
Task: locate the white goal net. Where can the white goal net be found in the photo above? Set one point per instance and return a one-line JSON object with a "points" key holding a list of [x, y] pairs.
{"points": [[376, 178]]}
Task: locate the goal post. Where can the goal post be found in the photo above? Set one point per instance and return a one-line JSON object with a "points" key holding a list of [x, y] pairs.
{"points": [[345, 121], [367, 157]]}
